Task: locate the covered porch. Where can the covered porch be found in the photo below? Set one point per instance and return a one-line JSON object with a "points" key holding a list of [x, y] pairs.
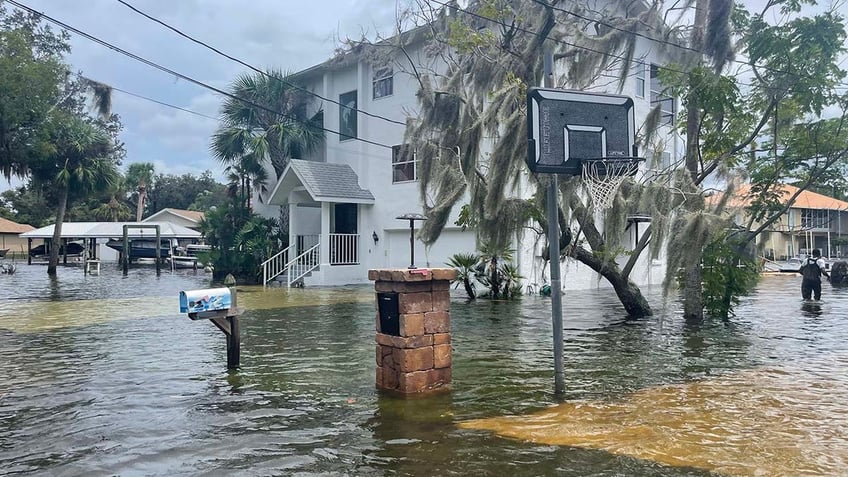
{"points": [[325, 204]]}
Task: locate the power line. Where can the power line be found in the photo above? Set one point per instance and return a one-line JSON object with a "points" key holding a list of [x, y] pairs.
{"points": [[180, 75], [247, 65], [163, 103], [586, 48], [661, 41]]}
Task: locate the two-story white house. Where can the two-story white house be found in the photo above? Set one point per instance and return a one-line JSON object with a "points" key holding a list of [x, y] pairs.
{"points": [[344, 200]]}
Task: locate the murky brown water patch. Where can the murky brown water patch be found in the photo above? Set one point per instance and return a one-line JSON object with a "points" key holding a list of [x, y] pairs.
{"points": [[777, 422]]}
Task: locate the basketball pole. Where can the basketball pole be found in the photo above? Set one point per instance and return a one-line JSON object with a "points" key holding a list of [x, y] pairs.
{"points": [[553, 248]]}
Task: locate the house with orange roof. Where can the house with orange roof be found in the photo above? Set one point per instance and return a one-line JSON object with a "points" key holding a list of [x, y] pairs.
{"points": [[9, 236], [813, 221]]}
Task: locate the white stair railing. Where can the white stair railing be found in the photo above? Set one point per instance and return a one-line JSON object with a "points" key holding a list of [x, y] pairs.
{"points": [[275, 266], [303, 264]]}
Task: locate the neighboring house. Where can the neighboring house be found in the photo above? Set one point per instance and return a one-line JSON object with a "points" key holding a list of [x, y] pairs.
{"points": [[813, 221], [9, 239], [344, 200], [186, 218]]}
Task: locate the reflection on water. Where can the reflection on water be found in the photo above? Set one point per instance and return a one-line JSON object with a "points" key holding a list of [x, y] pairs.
{"points": [[102, 376]]}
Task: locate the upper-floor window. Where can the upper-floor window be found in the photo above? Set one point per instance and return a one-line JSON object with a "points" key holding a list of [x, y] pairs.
{"points": [[814, 219], [639, 70], [659, 96], [383, 82], [347, 116], [404, 164]]}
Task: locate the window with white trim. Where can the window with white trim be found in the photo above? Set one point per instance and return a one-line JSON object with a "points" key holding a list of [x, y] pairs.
{"points": [[383, 82], [658, 96], [404, 164], [347, 116], [640, 79]]}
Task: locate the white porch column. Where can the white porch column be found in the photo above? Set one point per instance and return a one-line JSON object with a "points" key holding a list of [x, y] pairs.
{"points": [[326, 208], [292, 231]]}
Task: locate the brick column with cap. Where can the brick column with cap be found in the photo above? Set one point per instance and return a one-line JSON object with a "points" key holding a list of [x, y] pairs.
{"points": [[414, 356]]}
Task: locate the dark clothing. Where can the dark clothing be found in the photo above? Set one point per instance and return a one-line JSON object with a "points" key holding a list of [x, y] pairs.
{"points": [[810, 287], [812, 271]]}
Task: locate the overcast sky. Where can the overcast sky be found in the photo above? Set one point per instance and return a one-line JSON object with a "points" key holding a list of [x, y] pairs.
{"points": [[286, 34]]}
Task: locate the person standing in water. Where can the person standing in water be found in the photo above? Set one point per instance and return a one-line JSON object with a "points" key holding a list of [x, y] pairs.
{"points": [[812, 271]]}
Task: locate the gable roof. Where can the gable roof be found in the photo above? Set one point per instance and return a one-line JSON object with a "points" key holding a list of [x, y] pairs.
{"points": [[191, 215], [10, 227], [805, 200], [324, 181]]}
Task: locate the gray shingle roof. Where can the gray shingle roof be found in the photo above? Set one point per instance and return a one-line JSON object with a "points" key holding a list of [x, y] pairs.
{"points": [[330, 181]]}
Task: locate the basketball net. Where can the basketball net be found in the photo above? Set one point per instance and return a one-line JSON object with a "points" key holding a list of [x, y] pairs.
{"points": [[603, 177]]}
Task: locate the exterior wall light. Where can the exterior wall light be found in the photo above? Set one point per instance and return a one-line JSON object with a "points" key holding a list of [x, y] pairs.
{"points": [[375, 237]]}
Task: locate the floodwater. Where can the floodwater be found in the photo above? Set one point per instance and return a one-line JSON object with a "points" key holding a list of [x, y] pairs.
{"points": [[100, 375]]}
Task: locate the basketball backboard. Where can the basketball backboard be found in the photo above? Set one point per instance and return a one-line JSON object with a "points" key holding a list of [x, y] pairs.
{"points": [[564, 127]]}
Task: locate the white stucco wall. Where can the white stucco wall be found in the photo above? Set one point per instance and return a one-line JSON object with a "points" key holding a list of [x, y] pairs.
{"points": [[372, 163]]}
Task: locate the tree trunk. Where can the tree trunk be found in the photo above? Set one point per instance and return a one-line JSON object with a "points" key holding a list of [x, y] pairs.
{"points": [[57, 231], [693, 294], [142, 197], [628, 293], [469, 289]]}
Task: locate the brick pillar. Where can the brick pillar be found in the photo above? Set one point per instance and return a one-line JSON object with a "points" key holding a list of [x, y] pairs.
{"points": [[418, 358]]}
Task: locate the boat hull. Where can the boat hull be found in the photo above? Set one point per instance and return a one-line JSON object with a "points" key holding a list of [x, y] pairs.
{"points": [[142, 248]]}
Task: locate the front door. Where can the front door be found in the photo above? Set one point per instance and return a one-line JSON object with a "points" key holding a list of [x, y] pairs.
{"points": [[345, 219], [344, 241]]}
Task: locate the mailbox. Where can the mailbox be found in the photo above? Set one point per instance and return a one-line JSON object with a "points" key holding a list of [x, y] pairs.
{"points": [[387, 304], [211, 299]]}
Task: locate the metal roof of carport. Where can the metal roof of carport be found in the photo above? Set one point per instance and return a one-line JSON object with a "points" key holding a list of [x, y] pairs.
{"points": [[78, 230]]}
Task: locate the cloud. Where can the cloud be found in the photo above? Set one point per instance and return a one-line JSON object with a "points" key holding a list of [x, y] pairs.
{"points": [[263, 33]]}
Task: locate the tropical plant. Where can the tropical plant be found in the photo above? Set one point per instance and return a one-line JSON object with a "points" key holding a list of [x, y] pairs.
{"points": [[267, 125], [240, 240], [139, 179], [491, 269], [728, 274], [31, 78], [464, 264], [81, 159]]}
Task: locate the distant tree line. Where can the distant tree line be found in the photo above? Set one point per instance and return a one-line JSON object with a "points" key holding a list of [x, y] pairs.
{"points": [[58, 134], [31, 203]]}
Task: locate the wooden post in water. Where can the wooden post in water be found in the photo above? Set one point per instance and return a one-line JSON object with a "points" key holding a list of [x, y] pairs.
{"points": [[125, 260], [158, 252], [227, 321]]}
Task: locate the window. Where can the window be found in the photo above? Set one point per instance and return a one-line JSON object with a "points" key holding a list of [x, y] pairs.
{"points": [[814, 219], [640, 79], [404, 164], [383, 82], [347, 116], [658, 96]]}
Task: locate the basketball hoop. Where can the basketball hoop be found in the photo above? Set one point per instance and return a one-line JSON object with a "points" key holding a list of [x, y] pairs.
{"points": [[602, 177]]}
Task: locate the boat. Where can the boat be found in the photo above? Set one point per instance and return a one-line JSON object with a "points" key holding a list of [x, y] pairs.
{"points": [[142, 247], [74, 250], [3, 252], [188, 257]]}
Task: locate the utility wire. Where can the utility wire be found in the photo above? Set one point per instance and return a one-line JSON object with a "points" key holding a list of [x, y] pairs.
{"points": [[580, 47], [247, 65], [660, 40], [164, 103], [180, 75]]}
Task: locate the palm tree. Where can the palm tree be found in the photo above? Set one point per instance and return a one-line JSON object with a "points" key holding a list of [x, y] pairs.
{"points": [[280, 129], [139, 177], [464, 264], [79, 161]]}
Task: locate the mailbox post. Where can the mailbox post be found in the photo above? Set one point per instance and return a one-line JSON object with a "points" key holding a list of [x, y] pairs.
{"points": [[220, 306]]}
